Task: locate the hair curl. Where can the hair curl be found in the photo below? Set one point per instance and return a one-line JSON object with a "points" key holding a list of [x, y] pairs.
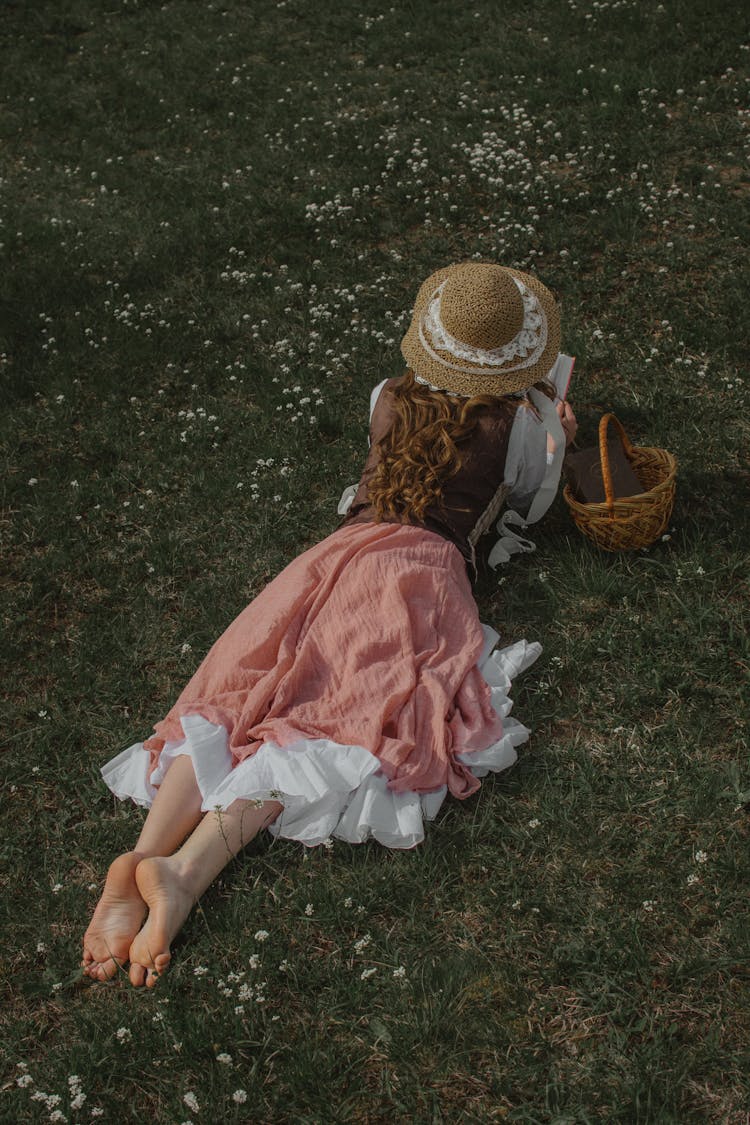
{"points": [[420, 452]]}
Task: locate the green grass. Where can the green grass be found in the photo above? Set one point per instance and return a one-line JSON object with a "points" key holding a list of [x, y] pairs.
{"points": [[190, 192]]}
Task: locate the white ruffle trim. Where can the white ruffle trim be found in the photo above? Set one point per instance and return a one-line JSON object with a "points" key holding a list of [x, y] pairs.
{"points": [[326, 789]]}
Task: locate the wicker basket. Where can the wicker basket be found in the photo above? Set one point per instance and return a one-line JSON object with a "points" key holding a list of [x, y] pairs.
{"points": [[626, 523]]}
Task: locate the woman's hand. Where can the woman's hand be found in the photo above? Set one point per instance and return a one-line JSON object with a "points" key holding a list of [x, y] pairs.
{"points": [[567, 420], [568, 423]]}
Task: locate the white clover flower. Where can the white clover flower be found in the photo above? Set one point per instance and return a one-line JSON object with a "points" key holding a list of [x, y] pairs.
{"points": [[224, 1059], [362, 943], [24, 1080], [348, 902], [367, 973], [191, 1101], [186, 648], [692, 879], [261, 935], [701, 857], [78, 1100], [309, 909], [534, 823], [200, 971], [123, 1034], [399, 973], [239, 1096]]}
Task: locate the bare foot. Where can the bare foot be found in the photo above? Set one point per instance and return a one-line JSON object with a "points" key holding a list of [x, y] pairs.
{"points": [[116, 920], [169, 900]]}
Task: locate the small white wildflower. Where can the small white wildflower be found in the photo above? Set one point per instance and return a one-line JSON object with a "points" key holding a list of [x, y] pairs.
{"points": [[97, 1111], [239, 1009], [284, 966], [239, 1096], [700, 571], [348, 902], [57, 1115], [24, 1080], [261, 935], [224, 1059], [123, 1034], [186, 648], [516, 905], [253, 961], [701, 857], [399, 973], [534, 823], [57, 888], [41, 947], [692, 879], [33, 481], [191, 1101], [648, 905], [200, 971], [78, 1100], [309, 909], [367, 973], [74, 484], [362, 943]]}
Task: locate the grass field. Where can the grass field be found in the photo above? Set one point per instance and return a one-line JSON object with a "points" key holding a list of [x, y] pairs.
{"points": [[215, 217]]}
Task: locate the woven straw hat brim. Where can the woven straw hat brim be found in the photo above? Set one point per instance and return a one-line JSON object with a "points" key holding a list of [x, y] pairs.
{"points": [[496, 381]]}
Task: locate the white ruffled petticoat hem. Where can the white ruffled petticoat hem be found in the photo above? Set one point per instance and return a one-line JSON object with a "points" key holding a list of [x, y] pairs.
{"points": [[326, 789]]}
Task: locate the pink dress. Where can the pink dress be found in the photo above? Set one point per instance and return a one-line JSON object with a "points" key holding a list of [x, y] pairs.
{"points": [[358, 689]]}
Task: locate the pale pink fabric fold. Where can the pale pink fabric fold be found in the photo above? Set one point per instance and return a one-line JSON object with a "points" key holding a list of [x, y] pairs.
{"points": [[371, 638]]}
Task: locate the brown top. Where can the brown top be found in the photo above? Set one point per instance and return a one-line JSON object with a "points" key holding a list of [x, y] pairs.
{"points": [[471, 499]]}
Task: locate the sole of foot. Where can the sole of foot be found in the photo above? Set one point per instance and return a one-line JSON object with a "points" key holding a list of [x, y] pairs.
{"points": [[169, 902], [116, 920]]}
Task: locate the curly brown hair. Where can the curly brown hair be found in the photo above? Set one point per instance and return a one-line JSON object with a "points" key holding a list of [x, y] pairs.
{"points": [[420, 452]]}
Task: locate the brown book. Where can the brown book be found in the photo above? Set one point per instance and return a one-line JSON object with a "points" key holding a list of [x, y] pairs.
{"points": [[583, 471]]}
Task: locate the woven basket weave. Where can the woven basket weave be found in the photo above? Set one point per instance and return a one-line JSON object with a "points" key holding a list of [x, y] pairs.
{"points": [[626, 523]]}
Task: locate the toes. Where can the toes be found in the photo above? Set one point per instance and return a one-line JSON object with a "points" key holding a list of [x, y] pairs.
{"points": [[161, 964], [137, 974], [105, 970]]}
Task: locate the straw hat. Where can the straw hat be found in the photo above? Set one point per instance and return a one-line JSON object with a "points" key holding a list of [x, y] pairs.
{"points": [[478, 328]]}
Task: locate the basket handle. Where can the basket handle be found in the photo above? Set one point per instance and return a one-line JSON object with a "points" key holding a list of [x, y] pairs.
{"points": [[609, 491]]}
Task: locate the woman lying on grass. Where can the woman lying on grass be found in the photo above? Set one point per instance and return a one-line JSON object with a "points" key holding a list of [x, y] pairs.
{"points": [[360, 686]]}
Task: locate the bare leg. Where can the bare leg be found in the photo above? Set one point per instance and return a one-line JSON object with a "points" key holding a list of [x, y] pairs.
{"points": [[172, 885], [120, 912]]}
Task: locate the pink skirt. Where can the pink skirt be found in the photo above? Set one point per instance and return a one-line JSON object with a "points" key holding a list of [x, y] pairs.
{"points": [[357, 689]]}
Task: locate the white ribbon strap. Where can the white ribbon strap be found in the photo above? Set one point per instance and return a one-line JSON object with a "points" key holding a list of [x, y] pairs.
{"points": [[347, 498], [509, 542]]}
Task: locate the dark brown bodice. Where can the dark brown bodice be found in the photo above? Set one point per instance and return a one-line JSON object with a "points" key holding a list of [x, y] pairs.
{"points": [[471, 499]]}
